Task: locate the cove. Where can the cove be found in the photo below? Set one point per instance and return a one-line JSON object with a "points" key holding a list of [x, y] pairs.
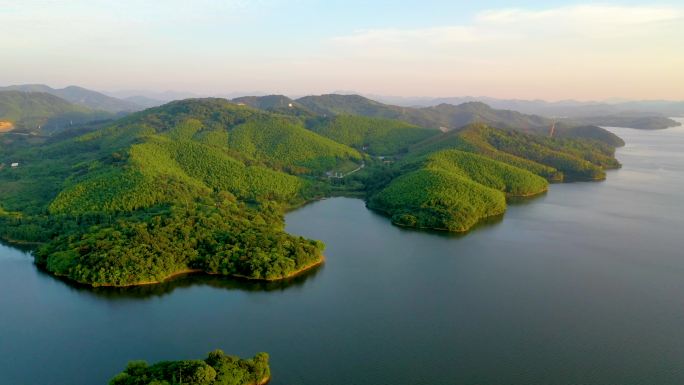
{"points": [[581, 285]]}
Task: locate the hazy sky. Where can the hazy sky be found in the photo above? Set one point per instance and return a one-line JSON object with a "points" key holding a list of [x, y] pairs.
{"points": [[523, 49]]}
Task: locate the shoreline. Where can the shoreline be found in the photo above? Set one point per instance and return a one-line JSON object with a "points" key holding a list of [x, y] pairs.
{"points": [[183, 272], [479, 221]]}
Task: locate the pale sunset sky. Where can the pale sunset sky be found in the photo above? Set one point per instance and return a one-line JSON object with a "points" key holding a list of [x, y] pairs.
{"points": [[525, 49]]}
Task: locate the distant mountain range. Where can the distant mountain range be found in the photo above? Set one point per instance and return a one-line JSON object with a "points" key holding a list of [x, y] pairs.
{"points": [[565, 108], [440, 113], [80, 96], [445, 117], [43, 113]]}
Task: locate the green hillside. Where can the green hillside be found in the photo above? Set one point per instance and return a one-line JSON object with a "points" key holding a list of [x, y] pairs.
{"points": [[553, 158], [281, 142], [490, 173], [161, 170], [453, 190], [284, 142], [437, 199], [376, 136]]}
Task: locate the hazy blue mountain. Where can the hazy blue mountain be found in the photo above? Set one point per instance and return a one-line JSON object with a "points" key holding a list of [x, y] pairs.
{"points": [[43, 113], [80, 96], [144, 101]]}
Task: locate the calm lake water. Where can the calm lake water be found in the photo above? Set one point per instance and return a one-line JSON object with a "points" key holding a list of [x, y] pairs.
{"points": [[584, 285]]}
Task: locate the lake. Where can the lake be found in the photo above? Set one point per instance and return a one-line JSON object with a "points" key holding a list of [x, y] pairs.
{"points": [[584, 285]]}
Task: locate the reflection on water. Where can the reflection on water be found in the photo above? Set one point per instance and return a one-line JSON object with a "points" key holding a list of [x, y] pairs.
{"points": [[192, 279]]}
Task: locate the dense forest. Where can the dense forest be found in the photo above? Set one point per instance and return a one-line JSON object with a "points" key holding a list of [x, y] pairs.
{"points": [[201, 185], [217, 369]]}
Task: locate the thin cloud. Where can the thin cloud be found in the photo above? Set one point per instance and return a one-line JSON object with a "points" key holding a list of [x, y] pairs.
{"points": [[499, 25], [621, 15]]}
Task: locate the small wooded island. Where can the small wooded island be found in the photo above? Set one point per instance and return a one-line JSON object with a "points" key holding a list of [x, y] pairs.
{"points": [[201, 185], [216, 369]]}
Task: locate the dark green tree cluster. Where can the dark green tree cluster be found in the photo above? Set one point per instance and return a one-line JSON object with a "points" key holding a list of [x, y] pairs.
{"points": [[217, 236], [217, 369]]}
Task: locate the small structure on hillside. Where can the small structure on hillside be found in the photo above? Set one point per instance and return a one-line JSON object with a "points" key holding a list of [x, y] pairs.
{"points": [[14, 165]]}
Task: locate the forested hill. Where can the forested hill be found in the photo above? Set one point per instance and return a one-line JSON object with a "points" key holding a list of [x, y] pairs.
{"points": [[450, 117], [80, 96], [43, 113], [201, 185], [278, 141], [452, 181], [110, 205]]}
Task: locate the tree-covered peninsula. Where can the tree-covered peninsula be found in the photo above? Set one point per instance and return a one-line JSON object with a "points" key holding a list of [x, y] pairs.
{"points": [[201, 185], [452, 190], [217, 369]]}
